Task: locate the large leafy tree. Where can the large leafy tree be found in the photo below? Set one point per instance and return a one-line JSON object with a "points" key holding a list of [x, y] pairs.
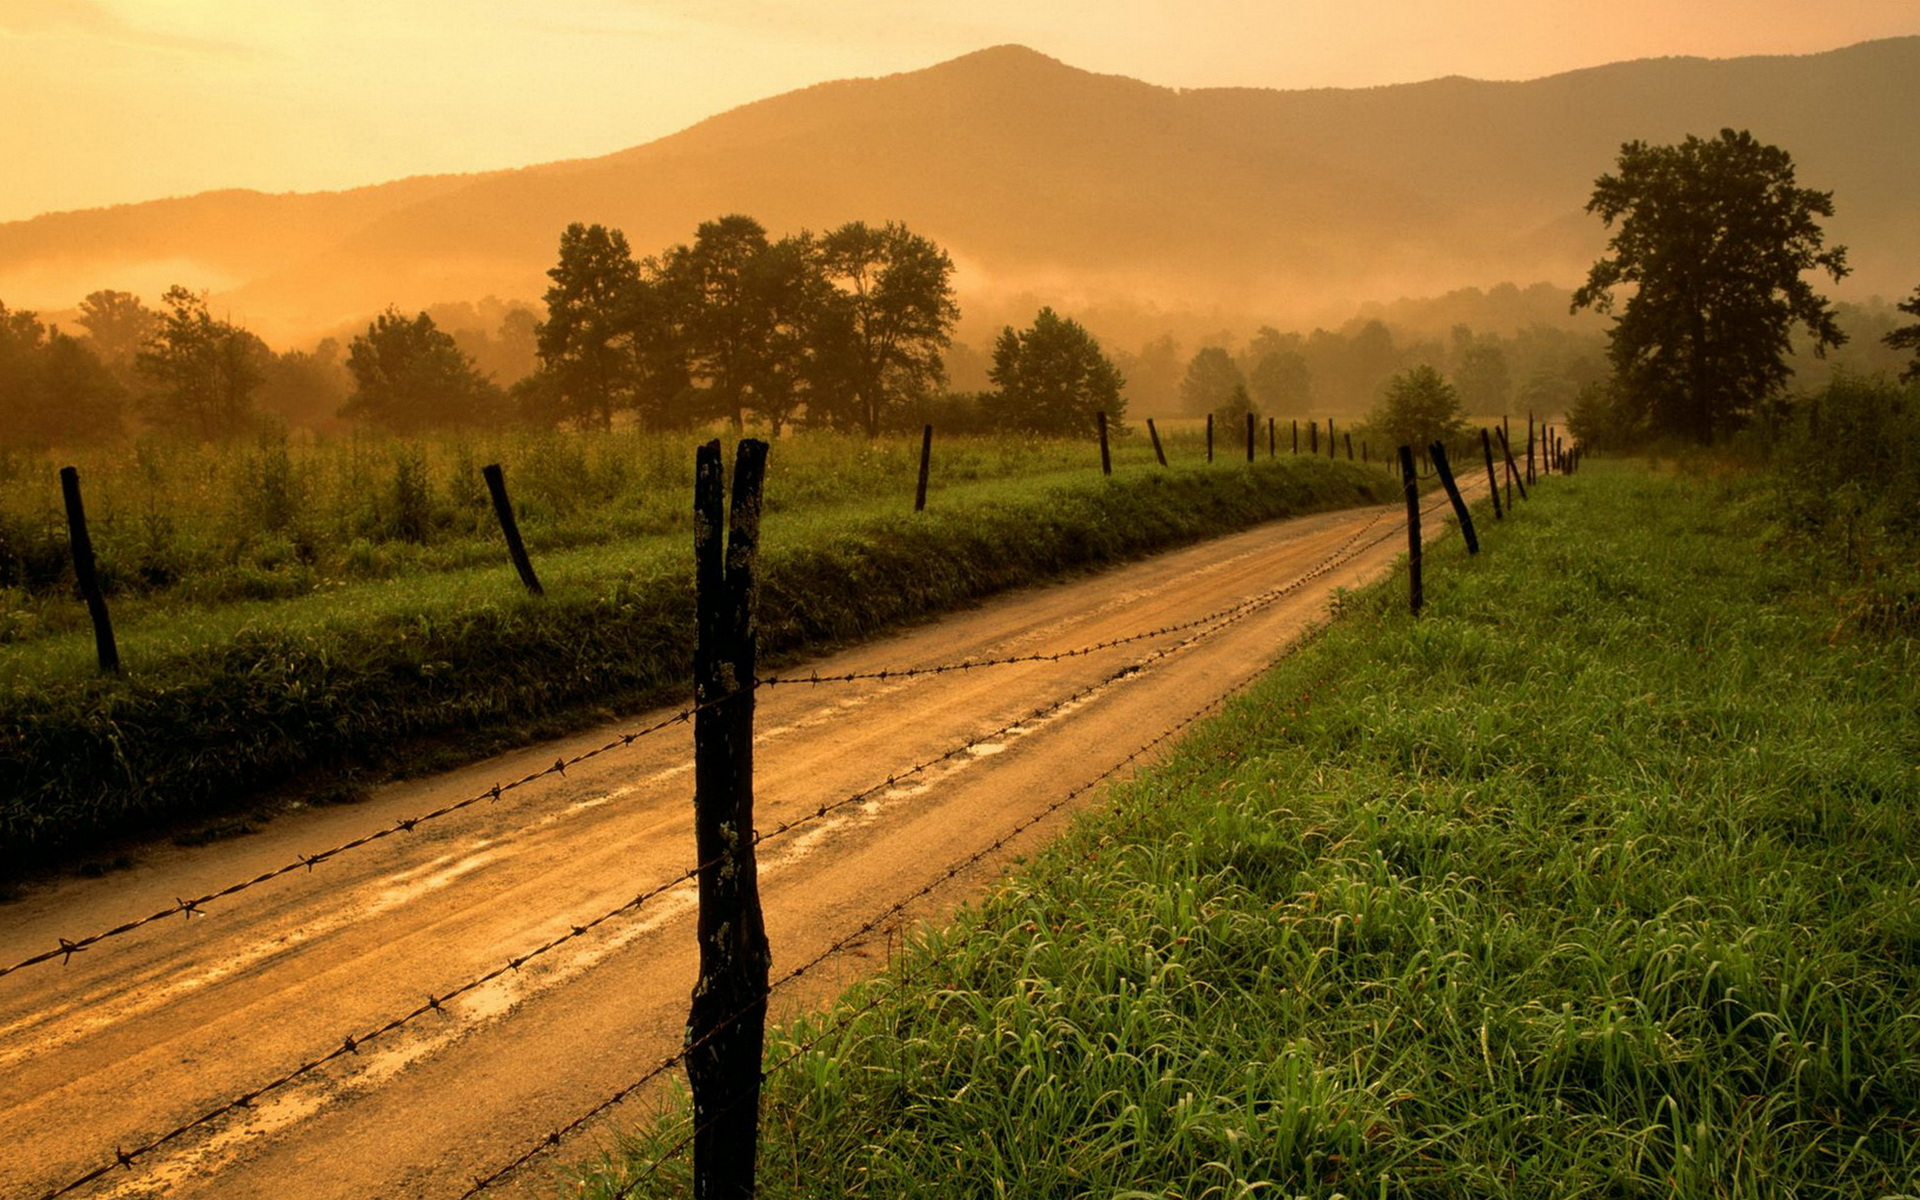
{"points": [[53, 388], [1715, 238], [1280, 382], [410, 376], [1907, 337], [204, 370], [895, 315], [1418, 408], [119, 325], [1212, 376], [588, 360], [1053, 377]]}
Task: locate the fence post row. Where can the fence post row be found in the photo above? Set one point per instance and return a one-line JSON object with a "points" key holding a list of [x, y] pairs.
{"points": [[1439, 453], [1493, 477], [104, 646], [926, 465], [1106, 459], [726, 1024], [1410, 487], [510, 527], [1159, 451]]}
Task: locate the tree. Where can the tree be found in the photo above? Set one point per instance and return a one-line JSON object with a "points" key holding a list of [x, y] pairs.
{"points": [[307, 388], [119, 325], [586, 343], [53, 388], [1481, 374], [1715, 238], [1210, 380], [894, 314], [410, 376], [1419, 408], [1232, 414], [1053, 378], [204, 370], [1281, 383], [1907, 337]]}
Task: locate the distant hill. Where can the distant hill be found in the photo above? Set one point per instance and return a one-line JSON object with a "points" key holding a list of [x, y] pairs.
{"points": [[1049, 182]]}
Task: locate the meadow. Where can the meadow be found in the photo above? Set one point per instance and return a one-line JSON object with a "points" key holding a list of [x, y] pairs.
{"points": [[1596, 879], [279, 618]]}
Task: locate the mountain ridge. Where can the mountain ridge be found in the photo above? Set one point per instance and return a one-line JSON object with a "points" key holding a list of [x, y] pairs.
{"points": [[1047, 180]]}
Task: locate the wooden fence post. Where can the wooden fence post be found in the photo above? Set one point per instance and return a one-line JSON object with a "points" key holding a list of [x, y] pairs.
{"points": [[1410, 487], [1106, 459], [926, 467], [510, 527], [1349, 440], [1493, 478], [1529, 478], [105, 648], [1209, 437], [1313, 437], [1296, 435], [1273, 437], [1250, 428], [1513, 470], [1158, 451], [726, 1025], [1439, 453], [1333, 450]]}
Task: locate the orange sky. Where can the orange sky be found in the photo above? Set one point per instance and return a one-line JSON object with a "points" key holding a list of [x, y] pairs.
{"points": [[120, 100]]}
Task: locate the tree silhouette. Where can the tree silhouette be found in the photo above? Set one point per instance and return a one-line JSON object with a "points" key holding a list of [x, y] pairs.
{"points": [[1715, 237], [1419, 408], [1907, 337], [1053, 378], [204, 370], [410, 376]]}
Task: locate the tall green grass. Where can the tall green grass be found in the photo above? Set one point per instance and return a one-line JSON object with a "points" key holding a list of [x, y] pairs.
{"points": [[1598, 879], [223, 699]]}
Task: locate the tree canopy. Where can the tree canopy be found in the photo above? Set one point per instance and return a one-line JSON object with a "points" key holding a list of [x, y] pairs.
{"points": [[1419, 407], [1907, 337], [409, 376], [53, 388], [1053, 378], [1715, 238], [1211, 378], [204, 370]]}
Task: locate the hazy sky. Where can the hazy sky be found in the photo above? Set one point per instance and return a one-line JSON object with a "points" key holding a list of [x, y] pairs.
{"points": [[119, 100]]}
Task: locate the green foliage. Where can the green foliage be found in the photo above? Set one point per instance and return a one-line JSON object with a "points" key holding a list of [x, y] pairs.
{"points": [[1419, 408], [53, 388], [1593, 880], [1715, 239], [1210, 379], [1053, 378], [410, 376], [1907, 337], [1281, 383], [204, 370]]}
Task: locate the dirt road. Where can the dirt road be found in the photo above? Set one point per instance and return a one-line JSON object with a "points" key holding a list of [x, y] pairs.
{"points": [[142, 1033]]}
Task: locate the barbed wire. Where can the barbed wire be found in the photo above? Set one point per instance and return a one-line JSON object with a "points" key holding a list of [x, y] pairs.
{"points": [[194, 907]]}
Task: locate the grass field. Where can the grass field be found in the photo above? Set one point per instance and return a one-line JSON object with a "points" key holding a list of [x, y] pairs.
{"points": [[1598, 879], [342, 678]]}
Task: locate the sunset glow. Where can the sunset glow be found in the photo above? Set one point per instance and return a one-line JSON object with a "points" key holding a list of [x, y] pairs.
{"points": [[124, 100]]}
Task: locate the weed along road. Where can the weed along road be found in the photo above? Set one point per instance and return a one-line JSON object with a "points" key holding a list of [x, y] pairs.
{"points": [[370, 956]]}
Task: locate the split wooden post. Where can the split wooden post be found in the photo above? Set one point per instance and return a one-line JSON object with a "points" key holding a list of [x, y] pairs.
{"points": [[106, 650], [926, 468], [1106, 458], [1439, 453], [510, 527], [1209, 437], [1493, 478], [727, 1023], [1250, 428], [1159, 452], [1410, 486]]}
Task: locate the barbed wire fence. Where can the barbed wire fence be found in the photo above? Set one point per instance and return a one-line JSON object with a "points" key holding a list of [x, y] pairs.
{"points": [[1199, 629]]}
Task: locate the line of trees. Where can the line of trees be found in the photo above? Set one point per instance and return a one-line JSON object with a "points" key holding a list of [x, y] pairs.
{"points": [[844, 330]]}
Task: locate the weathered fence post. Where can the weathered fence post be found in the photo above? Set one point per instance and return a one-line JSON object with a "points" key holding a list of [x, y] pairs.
{"points": [[1439, 453], [1273, 437], [1513, 470], [926, 468], [1333, 449], [1158, 451], [1296, 435], [105, 648], [1209, 437], [1410, 486], [1250, 428], [1313, 437], [1530, 478], [727, 1024], [510, 527], [1106, 458], [1349, 440], [1493, 478]]}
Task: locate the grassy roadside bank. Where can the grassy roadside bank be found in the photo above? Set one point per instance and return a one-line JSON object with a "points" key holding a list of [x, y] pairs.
{"points": [[250, 697], [1597, 880]]}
